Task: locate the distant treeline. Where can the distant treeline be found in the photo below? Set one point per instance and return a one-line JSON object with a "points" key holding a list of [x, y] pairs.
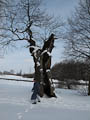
{"points": [[70, 70], [66, 70], [11, 72]]}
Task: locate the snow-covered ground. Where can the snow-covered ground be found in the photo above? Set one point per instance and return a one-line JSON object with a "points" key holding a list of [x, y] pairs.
{"points": [[15, 104], [15, 77]]}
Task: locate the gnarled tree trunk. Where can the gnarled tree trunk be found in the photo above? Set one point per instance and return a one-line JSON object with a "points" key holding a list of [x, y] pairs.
{"points": [[46, 64], [42, 61]]}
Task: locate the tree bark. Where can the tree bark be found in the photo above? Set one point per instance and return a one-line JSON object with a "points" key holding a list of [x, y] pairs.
{"points": [[46, 64], [42, 61], [89, 87]]}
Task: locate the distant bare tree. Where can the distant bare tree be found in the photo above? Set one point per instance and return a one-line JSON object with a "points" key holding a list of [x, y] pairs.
{"points": [[3, 4], [27, 21], [78, 33]]}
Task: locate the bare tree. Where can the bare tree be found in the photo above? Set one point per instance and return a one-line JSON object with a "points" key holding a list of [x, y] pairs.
{"points": [[27, 21], [78, 35], [3, 4]]}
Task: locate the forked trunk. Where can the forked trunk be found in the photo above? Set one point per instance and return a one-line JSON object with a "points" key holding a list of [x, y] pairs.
{"points": [[42, 61]]}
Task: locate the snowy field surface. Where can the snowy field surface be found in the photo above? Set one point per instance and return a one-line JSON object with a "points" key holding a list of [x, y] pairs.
{"points": [[15, 103]]}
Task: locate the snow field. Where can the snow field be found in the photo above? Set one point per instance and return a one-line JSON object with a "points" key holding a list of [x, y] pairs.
{"points": [[15, 104]]}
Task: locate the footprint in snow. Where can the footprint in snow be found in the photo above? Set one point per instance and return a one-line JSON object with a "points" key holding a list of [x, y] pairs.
{"points": [[19, 116], [26, 110]]}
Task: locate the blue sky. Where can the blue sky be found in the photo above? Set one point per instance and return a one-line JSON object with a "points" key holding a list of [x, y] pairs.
{"points": [[20, 59], [61, 7]]}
